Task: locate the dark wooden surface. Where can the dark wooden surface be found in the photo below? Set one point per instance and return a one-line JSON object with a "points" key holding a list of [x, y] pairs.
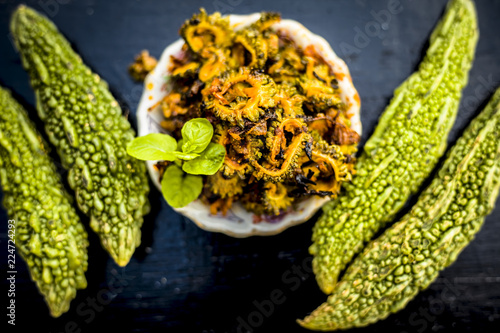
{"points": [[183, 279]]}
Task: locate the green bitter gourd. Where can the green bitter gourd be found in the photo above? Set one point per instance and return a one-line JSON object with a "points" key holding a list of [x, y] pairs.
{"points": [[410, 254], [48, 234], [85, 123], [406, 145]]}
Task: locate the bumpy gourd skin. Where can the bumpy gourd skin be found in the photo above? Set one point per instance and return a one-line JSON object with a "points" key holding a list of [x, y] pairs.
{"points": [[406, 145], [409, 255], [85, 123], [48, 234]]}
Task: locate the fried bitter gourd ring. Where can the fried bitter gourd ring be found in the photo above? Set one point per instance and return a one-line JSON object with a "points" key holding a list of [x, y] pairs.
{"points": [[288, 64], [203, 30], [232, 164], [252, 47], [289, 153], [266, 20], [224, 187], [214, 64], [237, 95], [328, 173], [186, 70], [326, 167], [276, 198], [318, 84], [276, 141], [289, 100]]}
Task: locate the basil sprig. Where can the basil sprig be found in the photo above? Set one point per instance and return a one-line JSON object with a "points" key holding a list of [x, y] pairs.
{"points": [[193, 155]]}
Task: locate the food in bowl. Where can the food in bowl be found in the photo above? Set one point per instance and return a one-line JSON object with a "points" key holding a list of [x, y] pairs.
{"points": [[277, 108]]}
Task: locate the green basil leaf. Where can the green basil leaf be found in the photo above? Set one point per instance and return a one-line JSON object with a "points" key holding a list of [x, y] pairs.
{"points": [[185, 156], [209, 161], [178, 188], [179, 144], [153, 147], [197, 134]]}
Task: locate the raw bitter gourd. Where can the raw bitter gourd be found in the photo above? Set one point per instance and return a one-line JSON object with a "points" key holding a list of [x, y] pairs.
{"points": [[409, 255], [48, 234], [406, 145], [85, 123]]}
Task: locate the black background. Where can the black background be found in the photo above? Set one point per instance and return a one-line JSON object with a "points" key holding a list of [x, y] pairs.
{"points": [[184, 279]]}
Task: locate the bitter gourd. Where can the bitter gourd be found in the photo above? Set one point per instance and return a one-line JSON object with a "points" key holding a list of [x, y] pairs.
{"points": [[406, 145], [48, 234], [409, 255], [85, 123]]}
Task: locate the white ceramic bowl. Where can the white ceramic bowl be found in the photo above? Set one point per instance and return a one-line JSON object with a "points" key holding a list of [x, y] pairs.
{"points": [[239, 222]]}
